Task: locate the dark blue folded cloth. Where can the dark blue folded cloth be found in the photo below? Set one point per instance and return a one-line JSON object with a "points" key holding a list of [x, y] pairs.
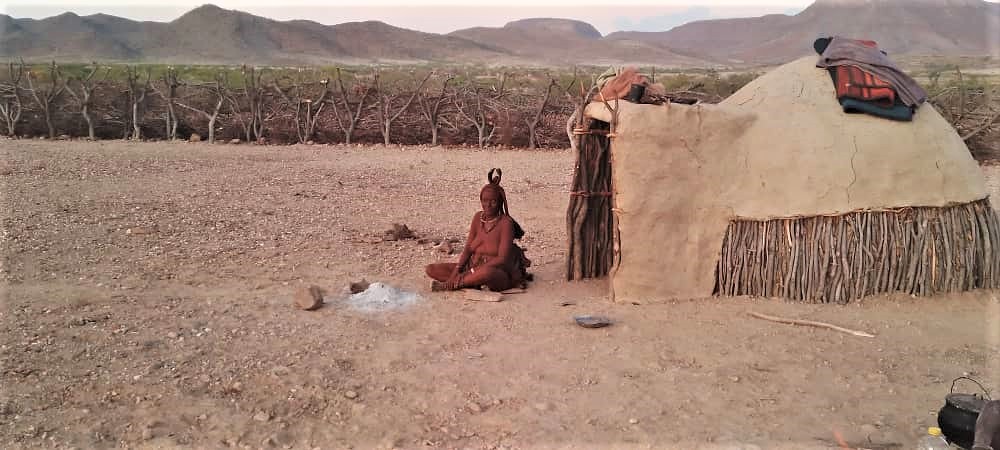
{"points": [[898, 111]]}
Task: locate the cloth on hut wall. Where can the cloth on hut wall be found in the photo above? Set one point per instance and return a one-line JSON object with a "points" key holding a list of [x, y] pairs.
{"points": [[844, 51]]}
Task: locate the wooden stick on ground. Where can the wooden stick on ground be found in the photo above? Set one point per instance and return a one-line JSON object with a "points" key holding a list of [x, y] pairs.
{"points": [[481, 296], [514, 291], [810, 323]]}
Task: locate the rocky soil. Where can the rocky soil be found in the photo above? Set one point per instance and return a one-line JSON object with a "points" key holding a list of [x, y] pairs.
{"points": [[149, 301]]}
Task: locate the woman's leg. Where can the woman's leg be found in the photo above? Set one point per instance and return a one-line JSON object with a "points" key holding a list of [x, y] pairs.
{"points": [[440, 271], [494, 278]]}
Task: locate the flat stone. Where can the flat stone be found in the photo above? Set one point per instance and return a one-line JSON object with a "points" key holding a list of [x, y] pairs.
{"points": [[592, 321], [309, 299]]}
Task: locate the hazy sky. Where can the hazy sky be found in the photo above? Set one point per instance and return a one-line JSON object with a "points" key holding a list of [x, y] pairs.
{"points": [[437, 16]]}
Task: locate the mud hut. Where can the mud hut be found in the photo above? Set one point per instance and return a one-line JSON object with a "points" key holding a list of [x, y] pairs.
{"points": [[777, 192]]}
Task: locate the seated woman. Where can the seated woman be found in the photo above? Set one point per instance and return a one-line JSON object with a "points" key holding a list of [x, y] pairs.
{"points": [[490, 256]]}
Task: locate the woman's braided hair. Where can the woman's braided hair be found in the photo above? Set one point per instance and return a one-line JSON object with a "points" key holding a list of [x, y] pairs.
{"points": [[494, 184]]}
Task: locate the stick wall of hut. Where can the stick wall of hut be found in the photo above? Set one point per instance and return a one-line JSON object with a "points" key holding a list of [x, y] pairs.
{"points": [[837, 259], [589, 220]]}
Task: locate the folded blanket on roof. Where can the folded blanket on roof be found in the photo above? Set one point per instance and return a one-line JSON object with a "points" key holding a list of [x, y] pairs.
{"points": [[820, 44], [843, 51], [897, 111], [853, 82]]}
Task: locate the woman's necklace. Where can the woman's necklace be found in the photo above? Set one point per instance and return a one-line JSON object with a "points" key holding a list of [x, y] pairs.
{"points": [[487, 223]]}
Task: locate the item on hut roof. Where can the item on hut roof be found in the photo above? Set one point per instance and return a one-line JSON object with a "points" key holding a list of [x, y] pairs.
{"points": [[853, 82], [616, 83], [860, 91], [821, 43], [867, 56], [898, 111], [775, 192]]}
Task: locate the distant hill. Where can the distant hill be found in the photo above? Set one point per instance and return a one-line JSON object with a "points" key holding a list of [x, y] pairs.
{"points": [[209, 34], [572, 41], [901, 27]]}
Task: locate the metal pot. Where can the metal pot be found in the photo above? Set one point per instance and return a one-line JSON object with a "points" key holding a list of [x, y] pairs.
{"points": [[957, 418]]}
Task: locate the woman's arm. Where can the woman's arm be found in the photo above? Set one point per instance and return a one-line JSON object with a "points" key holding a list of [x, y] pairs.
{"points": [[463, 259]]}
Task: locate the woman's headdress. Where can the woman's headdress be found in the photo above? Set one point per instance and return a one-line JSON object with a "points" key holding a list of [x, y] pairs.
{"points": [[493, 182]]}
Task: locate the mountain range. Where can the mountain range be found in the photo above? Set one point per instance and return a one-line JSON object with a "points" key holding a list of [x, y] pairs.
{"points": [[212, 35]]}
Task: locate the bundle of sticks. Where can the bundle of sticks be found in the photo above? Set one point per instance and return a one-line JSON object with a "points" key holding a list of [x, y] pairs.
{"points": [[836, 259], [590, 223]]}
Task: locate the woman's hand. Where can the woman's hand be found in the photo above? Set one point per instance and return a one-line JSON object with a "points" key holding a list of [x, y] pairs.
{"points": [[453, 281]]}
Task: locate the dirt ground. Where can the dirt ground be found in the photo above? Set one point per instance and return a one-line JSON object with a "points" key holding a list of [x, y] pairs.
{"points": [[147, 294]]}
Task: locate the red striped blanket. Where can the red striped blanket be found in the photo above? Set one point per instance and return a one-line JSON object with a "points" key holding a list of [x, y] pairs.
{"points": [[853, 82]]}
